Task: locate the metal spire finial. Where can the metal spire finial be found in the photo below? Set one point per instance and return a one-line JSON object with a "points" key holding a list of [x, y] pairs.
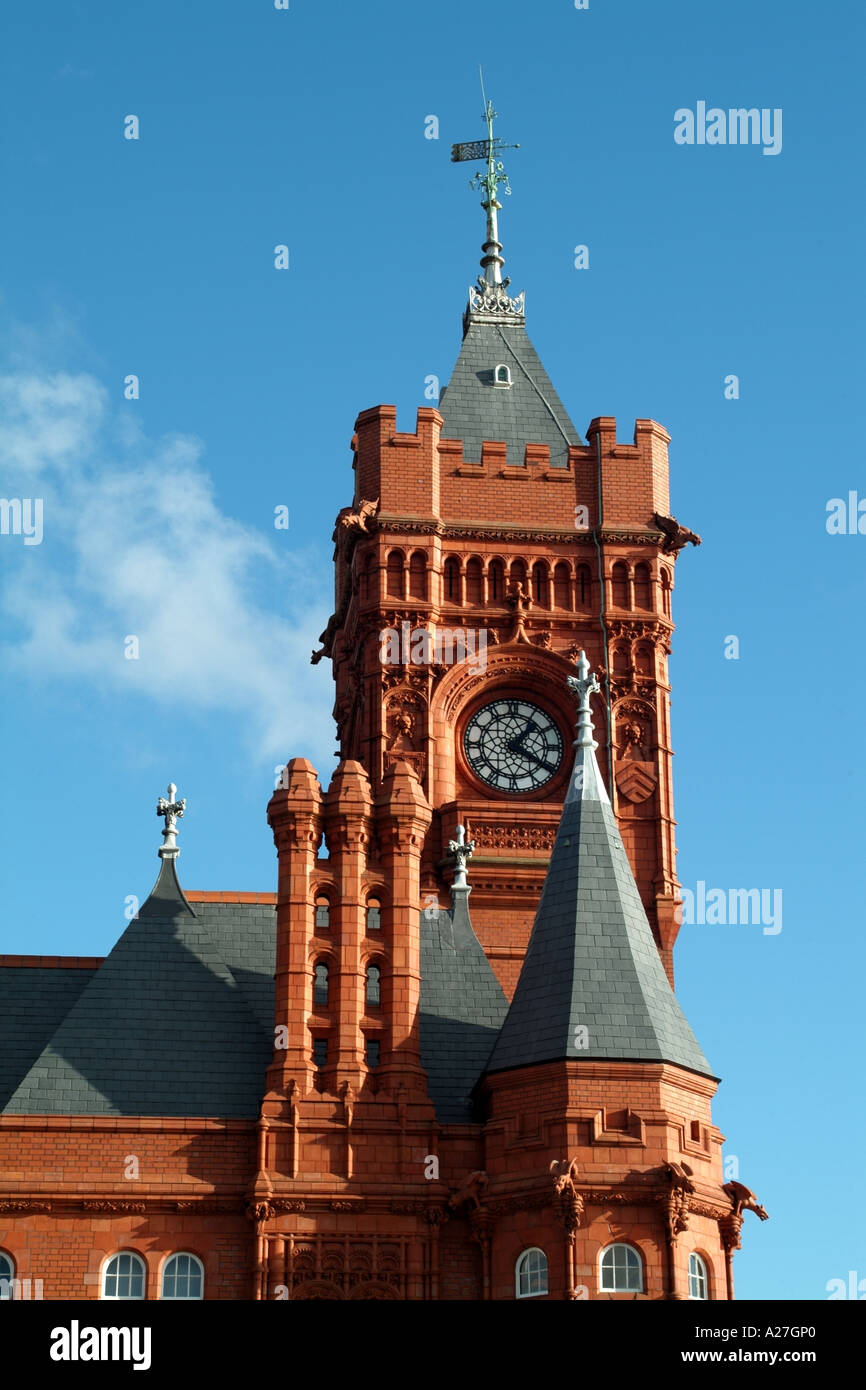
{"points": [[171, 810], [490, 296], [584, 685], [462, 850]]}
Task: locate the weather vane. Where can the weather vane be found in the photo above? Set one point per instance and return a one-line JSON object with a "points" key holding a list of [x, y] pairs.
{"points": [[490, 294]]}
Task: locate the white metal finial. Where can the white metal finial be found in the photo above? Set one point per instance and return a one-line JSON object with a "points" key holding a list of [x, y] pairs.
{"points": [[584, 684], [462, 850], [171, 810]]}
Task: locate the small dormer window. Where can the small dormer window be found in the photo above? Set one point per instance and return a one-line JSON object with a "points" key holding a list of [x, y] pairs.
{"points": [[502, 375]]}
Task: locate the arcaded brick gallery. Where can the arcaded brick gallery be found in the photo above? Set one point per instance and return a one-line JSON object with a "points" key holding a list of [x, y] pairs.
{"points": [[445, 1060]]}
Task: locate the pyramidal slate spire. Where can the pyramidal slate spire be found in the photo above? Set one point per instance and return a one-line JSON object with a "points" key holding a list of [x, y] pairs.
{"points": [[499, 390], [592, 984]]}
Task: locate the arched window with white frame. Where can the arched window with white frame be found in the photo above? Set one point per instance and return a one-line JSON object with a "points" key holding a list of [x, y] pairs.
{"points": [[699, 1284], [7, 1274], [620, 1270], [530, 1274], [182, 1277], [124, 1276]]}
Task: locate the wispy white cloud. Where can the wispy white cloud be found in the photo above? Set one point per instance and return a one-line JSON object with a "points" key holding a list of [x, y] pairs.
{"points": [[135, 545]]}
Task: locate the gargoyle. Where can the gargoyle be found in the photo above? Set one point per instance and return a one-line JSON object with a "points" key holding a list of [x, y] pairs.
{"points": [[326, 638], [348, 520], [676, 536], [744, 1200], [472, 1190]]}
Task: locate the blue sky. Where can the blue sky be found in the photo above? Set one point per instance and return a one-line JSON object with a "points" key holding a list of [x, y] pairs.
{"points": [[155, 257]]}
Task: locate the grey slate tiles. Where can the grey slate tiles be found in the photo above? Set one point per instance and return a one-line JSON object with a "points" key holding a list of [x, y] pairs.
{"points": [[592, 962], [527, 412], [165, 1026], [33, 1003], [462, 1009]]}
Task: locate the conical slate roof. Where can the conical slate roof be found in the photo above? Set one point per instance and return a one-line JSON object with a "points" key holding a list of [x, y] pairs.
{"points": [[592, 984], [527, 412]]}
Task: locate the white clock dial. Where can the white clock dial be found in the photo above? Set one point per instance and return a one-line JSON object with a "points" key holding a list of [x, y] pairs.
{"points": [[513, 745]]}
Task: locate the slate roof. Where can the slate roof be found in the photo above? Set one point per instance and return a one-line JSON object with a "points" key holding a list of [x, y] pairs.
{"points": [[592, 961], [34, 1000], [462, 1009], [178, 1018], [527, 412]]}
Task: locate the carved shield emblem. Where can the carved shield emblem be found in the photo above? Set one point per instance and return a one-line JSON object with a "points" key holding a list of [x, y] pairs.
{"points": [[635, 780]]}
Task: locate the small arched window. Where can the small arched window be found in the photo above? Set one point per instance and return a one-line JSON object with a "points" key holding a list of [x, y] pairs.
{"points": [[666, 592], [561, 586], [540, 584], [698, 1282], [583, 585], [452, 579], [124, 1276], [621, 1270], [323, 913], [530, 1274], [496, 581], [7, 1274], [619, 585], [367, 585], [518, 573], [395, 574], [182, 1277], [502, 374], [473, 580], [320, 986], [373, 995], [642, 586], [374, 914], [418, 575]]}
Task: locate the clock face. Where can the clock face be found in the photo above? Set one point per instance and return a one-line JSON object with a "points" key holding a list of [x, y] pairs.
{"points": [[513, 745]]}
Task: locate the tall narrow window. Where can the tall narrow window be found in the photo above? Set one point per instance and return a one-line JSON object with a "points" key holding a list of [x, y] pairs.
{"points": [[320, 1052], [561, 586], [367, 584], [619, 585], [621, 1270], [374, 977], [473, 580], [530, 1274], [371, 1053], [666, 592], [320, 987], [452, 579], [124, 1276], [395, 574], [496, 581], [182, 1277], [583, 585], [418, 575], [698, 1282], [323, 914], [518, 573], [642, 586], [374, 914], [540, 584]]}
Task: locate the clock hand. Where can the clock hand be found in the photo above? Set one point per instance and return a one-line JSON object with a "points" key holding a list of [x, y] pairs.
{"points": [[525, 753], [514, 745]]}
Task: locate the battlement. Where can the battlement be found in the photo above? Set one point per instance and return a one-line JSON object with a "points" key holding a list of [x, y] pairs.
{"points": [[426, 475]]}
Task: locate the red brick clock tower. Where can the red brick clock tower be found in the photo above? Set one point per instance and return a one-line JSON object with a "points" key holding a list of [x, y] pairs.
{"points": [[499, 533]]}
